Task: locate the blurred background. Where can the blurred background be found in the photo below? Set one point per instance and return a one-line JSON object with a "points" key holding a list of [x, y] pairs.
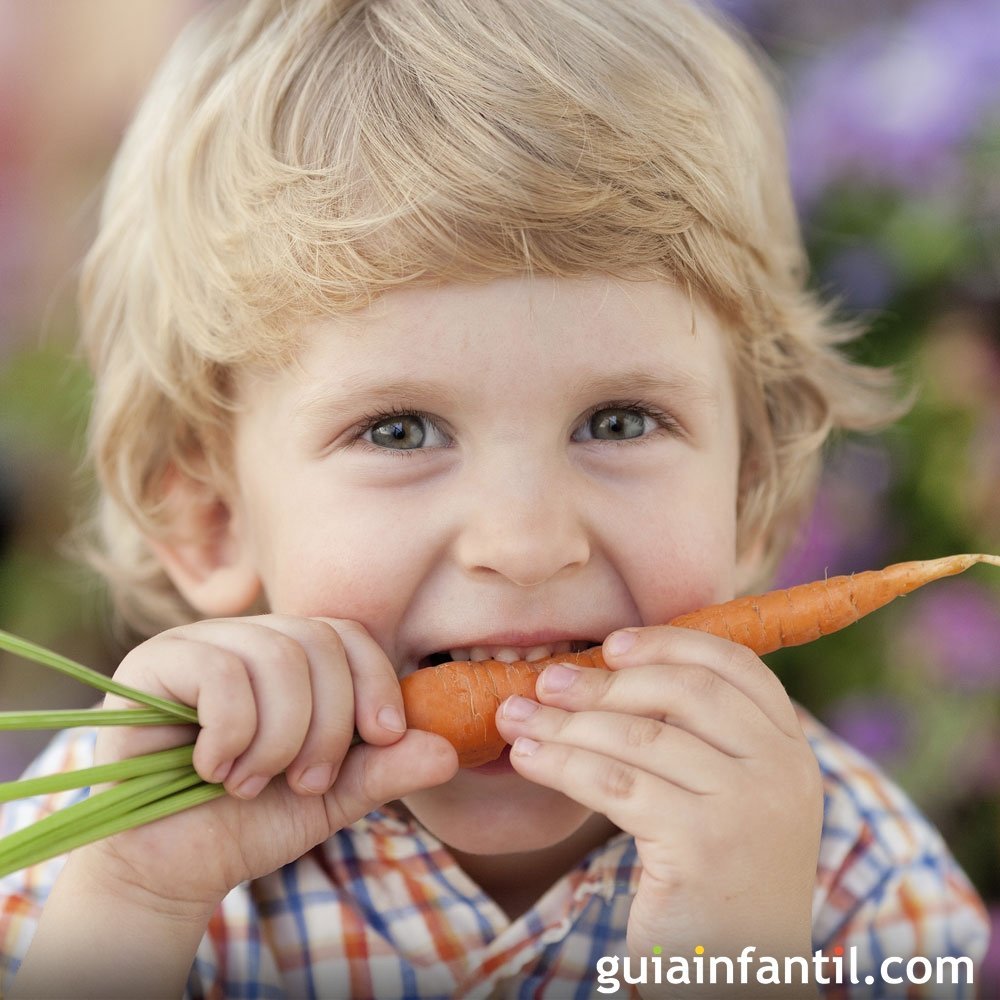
{"points": [[894, 130]]}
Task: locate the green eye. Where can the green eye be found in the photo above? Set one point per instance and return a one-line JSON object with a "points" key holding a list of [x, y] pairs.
{"points": [[401, 433], [617, 424]]}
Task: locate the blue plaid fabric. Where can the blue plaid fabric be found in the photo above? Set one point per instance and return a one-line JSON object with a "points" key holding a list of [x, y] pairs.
{"points": [[382, 910]]}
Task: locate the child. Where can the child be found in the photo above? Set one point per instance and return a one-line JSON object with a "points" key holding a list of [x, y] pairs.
{"points": [[467, 328]]}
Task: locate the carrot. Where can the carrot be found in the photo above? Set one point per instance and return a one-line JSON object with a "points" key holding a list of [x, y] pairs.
{"points": [[459, 700]]}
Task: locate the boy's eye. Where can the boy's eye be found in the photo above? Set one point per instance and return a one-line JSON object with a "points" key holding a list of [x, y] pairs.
{"points": [[399, 432], [402, 431], [617, 423]]}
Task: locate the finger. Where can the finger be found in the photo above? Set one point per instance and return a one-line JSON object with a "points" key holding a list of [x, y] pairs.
{"points": [[378, 702], [279, 676], [373, 775], [620, 791], [687, 695], [210, 679], [665, 751], [741, 667], [330, 726]]}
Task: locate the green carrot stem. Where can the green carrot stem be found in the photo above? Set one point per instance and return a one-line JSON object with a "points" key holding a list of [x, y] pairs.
{"points": [[119, 770], [57, 833], [63, 718], [54, 829], [176, 798], [179, 795], [39, 654], [148, 787], [173, 798]]}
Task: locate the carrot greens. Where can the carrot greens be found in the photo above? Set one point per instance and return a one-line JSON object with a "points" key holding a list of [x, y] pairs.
{"points": [[141, 789], [39, 654]]}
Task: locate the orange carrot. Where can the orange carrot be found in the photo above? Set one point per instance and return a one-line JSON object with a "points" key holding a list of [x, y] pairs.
{"points": [[459, 700], [800, 614]]}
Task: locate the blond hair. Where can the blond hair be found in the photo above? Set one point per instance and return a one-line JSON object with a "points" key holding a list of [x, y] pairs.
{"points": [[297, 158]]}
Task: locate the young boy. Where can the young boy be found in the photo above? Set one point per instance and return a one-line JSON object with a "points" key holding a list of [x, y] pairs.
{"points": [[468, 328]]}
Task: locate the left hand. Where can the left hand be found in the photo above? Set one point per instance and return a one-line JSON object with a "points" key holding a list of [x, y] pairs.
{"points": [[690, 744]]}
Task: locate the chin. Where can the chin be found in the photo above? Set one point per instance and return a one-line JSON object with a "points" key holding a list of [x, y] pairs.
{"points": [[515, 818]]}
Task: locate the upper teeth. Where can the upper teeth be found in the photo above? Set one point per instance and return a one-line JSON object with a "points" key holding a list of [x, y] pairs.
{"points": [[508, 654]]}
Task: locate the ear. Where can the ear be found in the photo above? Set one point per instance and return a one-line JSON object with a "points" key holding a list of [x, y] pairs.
{"points": [[204, 549]]}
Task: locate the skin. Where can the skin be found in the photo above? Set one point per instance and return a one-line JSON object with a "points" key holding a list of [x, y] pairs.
{"points": [[518, 518]]}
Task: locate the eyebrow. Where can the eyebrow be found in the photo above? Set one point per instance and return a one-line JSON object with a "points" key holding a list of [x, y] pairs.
{"points": [[365, 390], [369, 390], [687, 385]]}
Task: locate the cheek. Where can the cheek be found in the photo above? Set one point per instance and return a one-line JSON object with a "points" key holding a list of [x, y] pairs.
{"points": [[339, 560], [685, 558], [325, 545], [331, 584]]}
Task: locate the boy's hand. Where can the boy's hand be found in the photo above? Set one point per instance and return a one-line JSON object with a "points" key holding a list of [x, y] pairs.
{"points": [[690, 744], [274, 694]]}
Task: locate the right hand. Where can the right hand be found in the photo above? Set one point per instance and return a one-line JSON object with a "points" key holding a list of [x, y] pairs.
{"points": [[278, 699]]}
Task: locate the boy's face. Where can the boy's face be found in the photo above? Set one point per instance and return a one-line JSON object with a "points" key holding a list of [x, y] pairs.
{"points": [[503, 465]]}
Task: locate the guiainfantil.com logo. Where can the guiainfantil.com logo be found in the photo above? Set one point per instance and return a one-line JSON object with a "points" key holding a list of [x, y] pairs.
{"points": [[837, 968]]}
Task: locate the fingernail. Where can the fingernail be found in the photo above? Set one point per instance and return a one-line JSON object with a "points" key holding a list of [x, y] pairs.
{"points": [[317, 778], [518, 709], [389, 717], [251, 787], [620, 642], [524, 746], [221, 771], [559, 676]]}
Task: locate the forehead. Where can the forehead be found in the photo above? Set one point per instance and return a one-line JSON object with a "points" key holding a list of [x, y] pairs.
{"points": [[596, 332]]}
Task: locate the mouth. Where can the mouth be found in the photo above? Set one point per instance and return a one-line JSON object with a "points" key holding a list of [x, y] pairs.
{"points": [[505, 653]]}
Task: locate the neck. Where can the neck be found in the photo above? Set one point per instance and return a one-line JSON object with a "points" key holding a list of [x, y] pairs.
{"points": [[517, 881]]}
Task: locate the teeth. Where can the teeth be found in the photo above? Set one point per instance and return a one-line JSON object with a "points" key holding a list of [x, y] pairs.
{"points": [[537, 652], [505, 653], [508, 654]]}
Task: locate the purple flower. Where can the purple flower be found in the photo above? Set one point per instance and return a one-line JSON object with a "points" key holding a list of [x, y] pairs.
{"points": [[954, 629], [846, 530], [896, 102], [753, 15], [874, 724], [863, 275]]}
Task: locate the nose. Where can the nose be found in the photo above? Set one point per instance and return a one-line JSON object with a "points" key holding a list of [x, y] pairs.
{"points": [[525, 525]]}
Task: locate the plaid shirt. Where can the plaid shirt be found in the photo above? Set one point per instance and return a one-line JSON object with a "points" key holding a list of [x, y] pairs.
{"points": [[382, 910]]}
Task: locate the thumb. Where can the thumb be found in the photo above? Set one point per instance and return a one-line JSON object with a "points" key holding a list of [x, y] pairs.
{"points": [[371, 775]]}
